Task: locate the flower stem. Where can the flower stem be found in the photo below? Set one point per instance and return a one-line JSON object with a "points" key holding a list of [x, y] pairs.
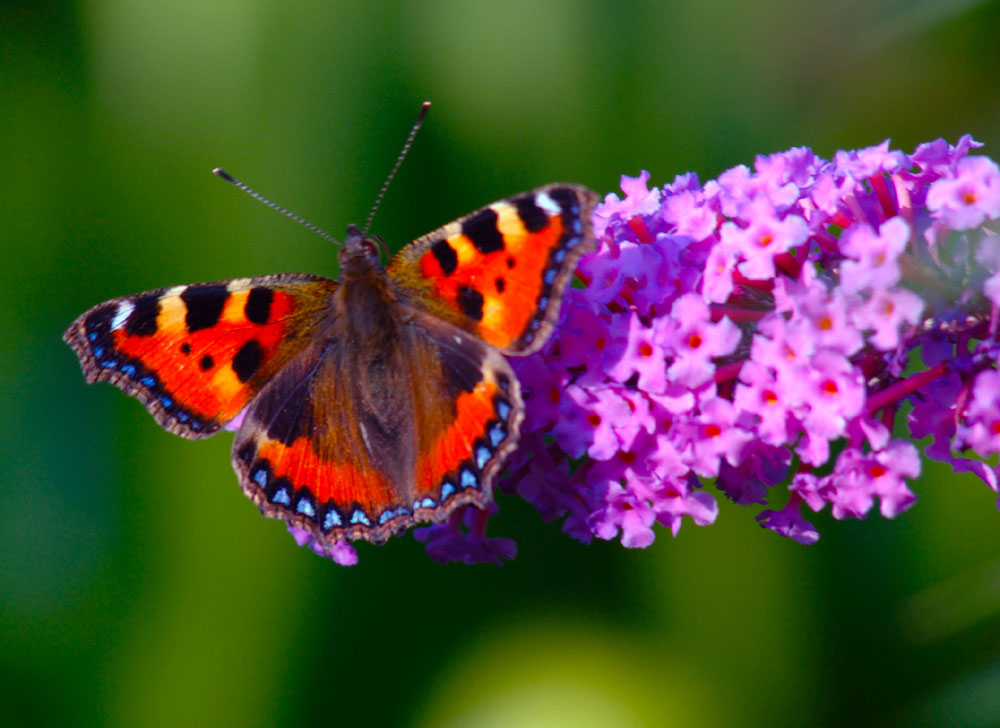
{"points": [[736, 314], [904, 387]]}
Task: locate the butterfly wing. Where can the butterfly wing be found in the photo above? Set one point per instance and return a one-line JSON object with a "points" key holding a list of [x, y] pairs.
{"points": [[349, 447], [196, 355], [501, 272]]}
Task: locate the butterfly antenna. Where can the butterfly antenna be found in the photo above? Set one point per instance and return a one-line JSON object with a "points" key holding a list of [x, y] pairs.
{"points": [[287, 213], [399, 160]]}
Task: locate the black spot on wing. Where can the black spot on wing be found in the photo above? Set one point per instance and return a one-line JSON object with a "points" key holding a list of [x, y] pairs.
{"points": [[501, 284], [185, 348], [446, 256], [204, 305], [206, 362], [532, 216], [248, 360], [481, 229], [258, 306], [471, 302], [142, 320]]}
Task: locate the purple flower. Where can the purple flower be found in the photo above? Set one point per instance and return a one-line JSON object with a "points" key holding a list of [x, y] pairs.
{"points": [[788, 522], [886, 313], [969, 198], [644, 355], [695, 341], [688, 214], [764, 237], [981, 431], [342, 552], [761, 466], [835, 395], [759, 320], [773, 401], [858, 478], [627, 511], [713, 436], [782, 335], [639, 200], [449, 542], [873, 256]]}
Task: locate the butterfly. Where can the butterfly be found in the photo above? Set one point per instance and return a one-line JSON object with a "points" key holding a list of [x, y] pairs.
{"points": [[365, 405]]}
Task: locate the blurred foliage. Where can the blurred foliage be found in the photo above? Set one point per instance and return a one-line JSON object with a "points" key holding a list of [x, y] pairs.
{"points": [[138, 587]]}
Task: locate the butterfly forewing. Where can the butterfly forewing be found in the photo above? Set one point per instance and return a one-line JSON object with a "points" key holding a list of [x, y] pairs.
{"points": [[501, 272], [196, 355]]}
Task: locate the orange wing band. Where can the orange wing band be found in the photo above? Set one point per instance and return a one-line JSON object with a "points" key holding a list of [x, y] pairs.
{"points": [[197, 368]]}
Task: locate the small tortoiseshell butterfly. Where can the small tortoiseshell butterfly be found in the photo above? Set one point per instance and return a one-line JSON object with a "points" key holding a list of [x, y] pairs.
{"points": [[368, 404]]}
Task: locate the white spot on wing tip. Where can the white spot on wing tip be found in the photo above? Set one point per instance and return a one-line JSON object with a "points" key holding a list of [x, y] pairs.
{"points": [[174, 292], [545, 202], [124, 310]]}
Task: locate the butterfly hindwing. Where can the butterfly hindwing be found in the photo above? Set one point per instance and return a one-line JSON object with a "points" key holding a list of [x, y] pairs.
{"points": [[501, 272], [468, 419], [348, 446], [196, 355]]}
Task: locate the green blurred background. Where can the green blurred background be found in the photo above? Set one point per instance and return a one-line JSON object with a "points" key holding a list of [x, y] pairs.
{"points": [[139, 587]]}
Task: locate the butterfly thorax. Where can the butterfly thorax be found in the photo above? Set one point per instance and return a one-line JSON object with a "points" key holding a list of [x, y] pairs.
{"points": [[368, 316]]}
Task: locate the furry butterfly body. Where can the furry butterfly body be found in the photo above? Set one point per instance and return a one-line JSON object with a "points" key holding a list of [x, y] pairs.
{"points": [[368, 404]]}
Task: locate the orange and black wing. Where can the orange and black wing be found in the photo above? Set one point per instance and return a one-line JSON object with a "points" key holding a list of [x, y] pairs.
{"points": [[501, 272], [352, 448], [196, 355]]}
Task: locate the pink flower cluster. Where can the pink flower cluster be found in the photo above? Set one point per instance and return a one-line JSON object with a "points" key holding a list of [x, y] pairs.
{"points": [[770, 330], [767, 332]]}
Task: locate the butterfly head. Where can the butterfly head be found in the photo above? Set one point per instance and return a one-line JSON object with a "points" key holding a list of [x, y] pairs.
{"points": [[359, 252]]}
